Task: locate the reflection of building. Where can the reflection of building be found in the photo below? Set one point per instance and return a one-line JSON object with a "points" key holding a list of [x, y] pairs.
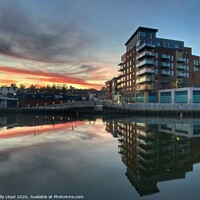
{"points": [[182, 129], [152, 156], [111, 127]]}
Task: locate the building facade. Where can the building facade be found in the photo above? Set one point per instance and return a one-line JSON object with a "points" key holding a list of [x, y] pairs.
{"points": [[112, 88], [151, 64], [179, 95]]}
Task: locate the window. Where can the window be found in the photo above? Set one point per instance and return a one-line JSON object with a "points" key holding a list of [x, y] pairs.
{"points": [[142, 34], [158, 44], [176, 46], [181, 96], [156, 63], [165, 97], [164, 44], [196, 96]]}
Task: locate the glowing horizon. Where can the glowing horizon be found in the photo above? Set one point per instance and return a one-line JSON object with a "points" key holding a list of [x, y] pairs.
{"points": [[71, 42]]}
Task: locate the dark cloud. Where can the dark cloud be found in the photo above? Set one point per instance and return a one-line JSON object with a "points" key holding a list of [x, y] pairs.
{"points": [[25, 35], [87, 68]]}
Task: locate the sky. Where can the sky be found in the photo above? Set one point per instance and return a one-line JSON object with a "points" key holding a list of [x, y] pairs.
{"points": [[79, 42]]}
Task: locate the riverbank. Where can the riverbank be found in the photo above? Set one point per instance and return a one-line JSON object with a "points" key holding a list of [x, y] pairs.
{"points": [[105, 107]]}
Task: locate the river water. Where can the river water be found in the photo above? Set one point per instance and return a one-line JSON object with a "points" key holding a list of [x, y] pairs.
{"points": [[100, 158]]}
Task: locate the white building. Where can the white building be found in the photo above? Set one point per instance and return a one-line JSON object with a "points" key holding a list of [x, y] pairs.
{"points": [[179, 95]]}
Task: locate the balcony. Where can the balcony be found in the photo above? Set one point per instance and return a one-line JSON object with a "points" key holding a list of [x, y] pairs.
{"points": [[120, 77], [145, 88], [165, 65], [181, 60], [145, 45], [165, 73], [145, 54], [145, 62], [181, 67], [120, 68], [181, 74], [165, 81], [145, 71], [144, 79], [165, 57], [120, 82], [121, 63]]}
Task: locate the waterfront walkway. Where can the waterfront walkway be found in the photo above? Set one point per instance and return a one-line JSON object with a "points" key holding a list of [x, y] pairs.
{"points": [[109, 107]]}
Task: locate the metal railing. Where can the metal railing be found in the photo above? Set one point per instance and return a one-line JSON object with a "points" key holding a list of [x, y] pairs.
{"points": [[155, 106]]}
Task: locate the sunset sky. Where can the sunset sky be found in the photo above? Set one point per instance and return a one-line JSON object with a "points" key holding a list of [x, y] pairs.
{"points": [[79, 42]]}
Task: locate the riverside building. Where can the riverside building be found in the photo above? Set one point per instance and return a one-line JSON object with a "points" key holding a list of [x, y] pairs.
{"points": [[151, 64]]}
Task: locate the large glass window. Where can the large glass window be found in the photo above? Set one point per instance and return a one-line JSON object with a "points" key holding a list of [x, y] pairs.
{"points": [[196, 96], [165, 97], [181, 97], [140, 97], [152, 97]]}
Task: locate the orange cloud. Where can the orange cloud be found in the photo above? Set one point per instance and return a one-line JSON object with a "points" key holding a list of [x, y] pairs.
{"points": [[48, 76], [7, 81]]}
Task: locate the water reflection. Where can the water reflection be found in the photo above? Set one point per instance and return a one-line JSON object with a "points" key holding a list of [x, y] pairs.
{"points": [[64, 155], [21, 130], [156, 150]]}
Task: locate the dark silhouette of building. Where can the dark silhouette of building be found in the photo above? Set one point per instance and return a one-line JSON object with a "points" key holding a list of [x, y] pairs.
{"points": [[153, 153]]}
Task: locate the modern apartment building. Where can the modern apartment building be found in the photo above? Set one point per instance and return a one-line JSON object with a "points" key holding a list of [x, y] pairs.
{"points": [[151, 64]]}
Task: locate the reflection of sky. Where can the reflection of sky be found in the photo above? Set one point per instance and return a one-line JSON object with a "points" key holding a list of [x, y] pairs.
{"points": [[77, 130], [83, 160]]}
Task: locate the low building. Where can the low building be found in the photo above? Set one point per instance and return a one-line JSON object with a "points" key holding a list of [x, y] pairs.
{"points": [[112, 88], [8, 98], [179, 95]]}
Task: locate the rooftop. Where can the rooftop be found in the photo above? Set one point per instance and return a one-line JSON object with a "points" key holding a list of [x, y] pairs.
{"points": [[140, 28]]}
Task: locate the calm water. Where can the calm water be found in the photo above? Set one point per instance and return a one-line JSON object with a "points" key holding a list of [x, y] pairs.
{"points": [[119, 159]]}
